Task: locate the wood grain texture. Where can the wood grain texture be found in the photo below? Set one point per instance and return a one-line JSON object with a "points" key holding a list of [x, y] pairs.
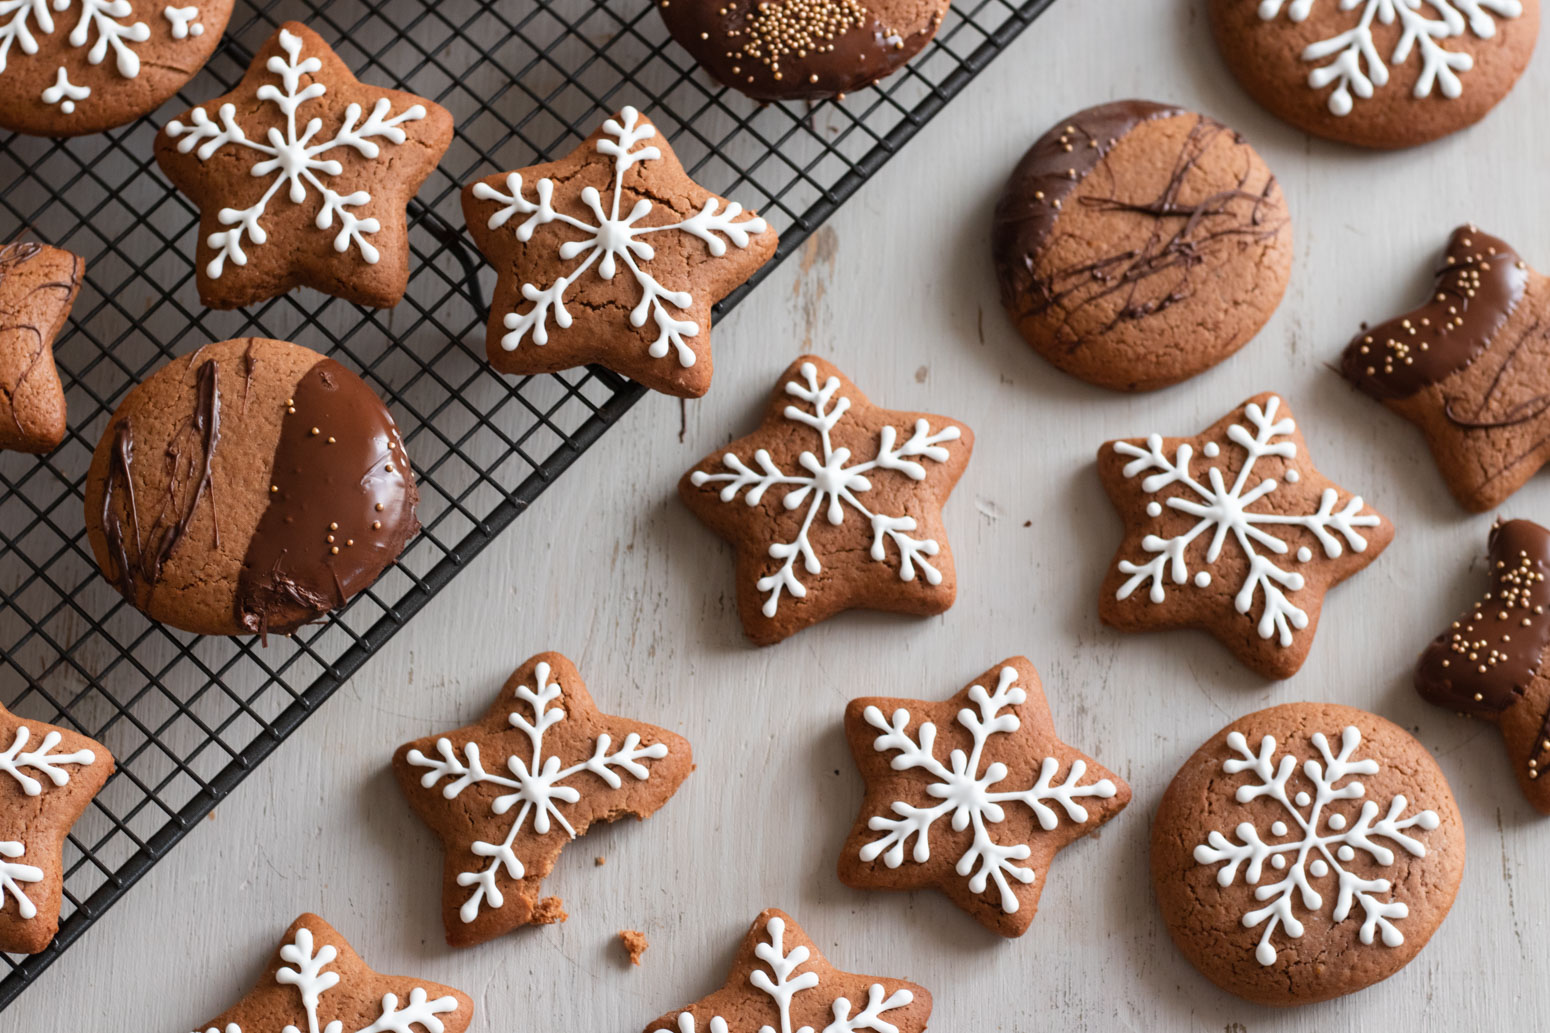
{"points": [[610, 568]]}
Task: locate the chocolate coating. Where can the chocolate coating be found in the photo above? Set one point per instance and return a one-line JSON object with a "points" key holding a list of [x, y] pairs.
{"points": [[341, 504], [1483, 663], [1480, 283]]}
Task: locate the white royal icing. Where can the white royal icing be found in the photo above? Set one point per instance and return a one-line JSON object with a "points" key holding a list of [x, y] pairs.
{"points": [[44, 763], [306, 968], [966, 791], [833, 485], [65, 93], [535, 783], [183, 22], [785, 979], [1225, 510], [1356, 67], [293, 157], [612, 241], [1324, 841]]}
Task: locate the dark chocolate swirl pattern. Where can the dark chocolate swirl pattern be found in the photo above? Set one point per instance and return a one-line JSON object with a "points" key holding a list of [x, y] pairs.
{"points": [[1480, 283], [1182, 238], [341, 505]]}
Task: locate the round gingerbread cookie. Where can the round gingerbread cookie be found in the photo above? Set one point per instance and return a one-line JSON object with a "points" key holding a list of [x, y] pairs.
{"points": [[69, 67], [250, 486], [801, 49], [1374, 72], [1306, 851], [1137, 244]]}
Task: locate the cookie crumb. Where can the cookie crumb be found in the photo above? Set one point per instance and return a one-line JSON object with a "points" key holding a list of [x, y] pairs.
{"points": [[549, 911], [635, 944], [599, 860]]}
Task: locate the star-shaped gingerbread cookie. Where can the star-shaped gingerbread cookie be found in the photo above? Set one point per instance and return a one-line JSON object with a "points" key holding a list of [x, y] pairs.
{"points": [[974, 795], [508, 793], [833, 503], [1233, 531], [1470, 368], [1490, 662], [781, 981], [317, 983], [611, 255], [301, 175], [38, 284], [48, 776]]}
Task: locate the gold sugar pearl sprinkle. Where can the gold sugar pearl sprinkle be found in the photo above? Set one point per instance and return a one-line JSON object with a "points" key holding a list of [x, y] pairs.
{"points": [[333, 526], [314, 432], [380, 507], [334, 550], [376, 525]]}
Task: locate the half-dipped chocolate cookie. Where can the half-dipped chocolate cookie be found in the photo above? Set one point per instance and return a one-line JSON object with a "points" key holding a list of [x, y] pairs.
{"points": [[1137, 244], [802, 49], [250, 486]]}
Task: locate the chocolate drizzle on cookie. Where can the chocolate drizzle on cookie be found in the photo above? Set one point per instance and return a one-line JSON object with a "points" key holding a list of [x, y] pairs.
{"points": [[189, 461], [1481, 282], [1483, 663], [341, 504], [1182, 238]]}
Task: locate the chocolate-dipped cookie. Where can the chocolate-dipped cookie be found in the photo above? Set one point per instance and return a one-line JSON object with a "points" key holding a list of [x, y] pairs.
{"points": [[1377, 73], [250, 486], [69, 67], [1489, 663], [1306, 851], [801, 49], [1137, 244], [1470, 368], [38, 284]]}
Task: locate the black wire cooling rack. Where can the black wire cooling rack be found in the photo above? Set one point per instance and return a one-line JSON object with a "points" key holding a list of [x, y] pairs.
{"points": [[187, 717]]}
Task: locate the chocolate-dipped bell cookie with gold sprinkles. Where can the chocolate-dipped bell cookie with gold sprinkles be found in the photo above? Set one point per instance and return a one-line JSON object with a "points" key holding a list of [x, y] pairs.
{"points": [[250, 486], [802, 49], [1489, 663]]}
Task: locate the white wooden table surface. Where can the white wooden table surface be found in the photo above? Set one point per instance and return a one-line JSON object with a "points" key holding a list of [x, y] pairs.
{"points": [[609, 568]]}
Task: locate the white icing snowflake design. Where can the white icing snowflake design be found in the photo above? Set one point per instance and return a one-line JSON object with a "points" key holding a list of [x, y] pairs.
{"points": [[1355, 66], [1224, 510], [1321, 842], [614, 240], [45, 763], [829, 483], [307, 970], [535, 783], [784, 981], [293, 158], [966, 785], [22, 21]]}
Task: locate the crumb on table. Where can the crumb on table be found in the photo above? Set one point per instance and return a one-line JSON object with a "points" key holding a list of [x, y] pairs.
{"points": [[634, 944], [600, 860], [549, 911]]}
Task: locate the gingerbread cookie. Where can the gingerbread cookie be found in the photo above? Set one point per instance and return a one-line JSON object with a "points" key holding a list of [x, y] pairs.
{"points": [[249, 486], [508, 793], [801, 49], [1375, 72], [832, 503], [616, 258], [38, 284], [982, 785], [1470, 368], [1242, 542], [316, 982], [1490, 662], [48, 776], [1137, 244], [781, 980], [1305, 852], [306, 154], [69, 67]]}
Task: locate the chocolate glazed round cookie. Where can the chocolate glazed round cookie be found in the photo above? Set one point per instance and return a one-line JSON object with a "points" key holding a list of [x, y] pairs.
{"points": [[1374, 72], [1137, 244], [801, 49], [250, 486], [1306, 851]]}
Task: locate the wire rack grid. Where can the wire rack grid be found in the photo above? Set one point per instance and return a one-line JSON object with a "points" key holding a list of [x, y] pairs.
{"points": [[188, 718]]}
